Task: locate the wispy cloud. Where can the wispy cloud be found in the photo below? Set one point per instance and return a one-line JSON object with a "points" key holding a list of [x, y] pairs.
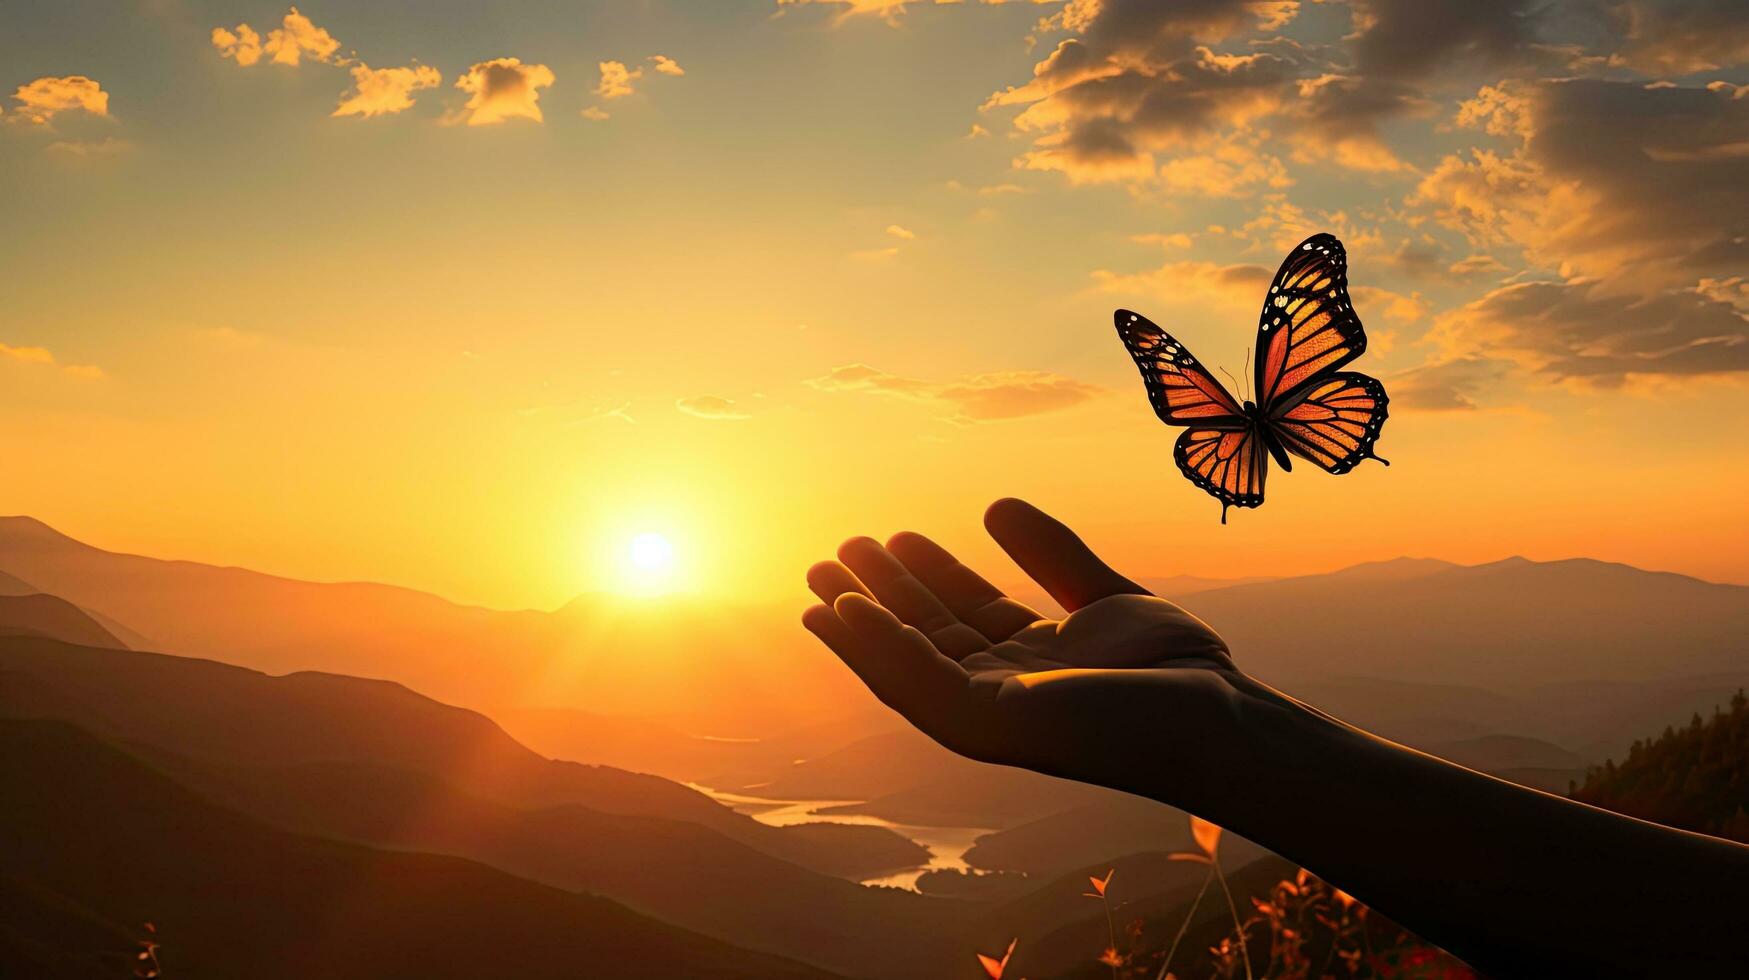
{"points": [[711, 407], [899, 231], [975, 398], [384, 91], [44, 357], [665, 65]]}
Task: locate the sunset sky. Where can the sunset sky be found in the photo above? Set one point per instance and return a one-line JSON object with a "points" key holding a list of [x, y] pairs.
{"points": [[465, 296]]}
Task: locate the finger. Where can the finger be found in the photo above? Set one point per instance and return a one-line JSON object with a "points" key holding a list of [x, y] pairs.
{"points": [[901, 667], [1053, 555], [829, 580], [967, 594], [908, 599], [824, 623]]}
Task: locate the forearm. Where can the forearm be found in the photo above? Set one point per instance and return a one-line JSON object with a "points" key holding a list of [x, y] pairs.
{"points": [[1514, 881]]}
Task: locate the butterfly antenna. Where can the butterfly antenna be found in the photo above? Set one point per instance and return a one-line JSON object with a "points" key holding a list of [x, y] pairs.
{"points": [[1247, 373], [1234, 380]]}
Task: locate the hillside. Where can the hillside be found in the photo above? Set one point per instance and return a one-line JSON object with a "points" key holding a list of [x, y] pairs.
{"points": [[485, 659], [90, 828], [231, 715], [55, 618], [370, 761], [1505, 626], [1695, 777]]}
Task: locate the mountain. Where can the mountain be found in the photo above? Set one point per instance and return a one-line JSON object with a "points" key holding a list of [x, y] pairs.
{"points": [[667, 661], [234, 716], [91, 835], [13, 585], [1695, 777], [1504, 626], [373, 763], [53, 617]]}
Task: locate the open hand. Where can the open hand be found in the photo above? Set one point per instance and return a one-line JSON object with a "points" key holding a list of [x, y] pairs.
{"points": [[1127, 681]]}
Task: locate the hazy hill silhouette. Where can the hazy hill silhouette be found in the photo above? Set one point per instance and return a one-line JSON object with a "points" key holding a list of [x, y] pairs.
{"points": [[609, 655], [370, 762], [91, 829], [227, 715], [51, 616], [1506, 626]]}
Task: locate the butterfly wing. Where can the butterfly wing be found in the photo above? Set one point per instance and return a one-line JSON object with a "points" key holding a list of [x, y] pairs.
{"points": [[1332, 421], [1182, 392], [1230, 464], [1308, 325]]}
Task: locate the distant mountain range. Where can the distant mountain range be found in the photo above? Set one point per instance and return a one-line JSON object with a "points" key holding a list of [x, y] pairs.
{"points": [[1518, 630]]}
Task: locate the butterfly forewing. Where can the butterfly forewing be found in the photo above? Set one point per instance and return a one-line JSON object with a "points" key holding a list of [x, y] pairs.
{"points": [[1180, 389], [1229, 464], [1308, 325], [1333, 421]]}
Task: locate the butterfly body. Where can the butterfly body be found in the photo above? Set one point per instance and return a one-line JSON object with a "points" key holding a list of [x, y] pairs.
{"points": [[1305, 406]]}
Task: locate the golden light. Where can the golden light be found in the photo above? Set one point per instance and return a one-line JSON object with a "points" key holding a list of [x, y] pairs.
{"points": [[651, 553], [648, 564]]}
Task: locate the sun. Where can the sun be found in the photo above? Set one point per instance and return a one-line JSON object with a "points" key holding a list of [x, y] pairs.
{"points": [[651, 553], [649, 564]]}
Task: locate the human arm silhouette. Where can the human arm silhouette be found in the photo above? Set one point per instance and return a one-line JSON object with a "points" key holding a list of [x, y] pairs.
{"points": [[1130, 691]]}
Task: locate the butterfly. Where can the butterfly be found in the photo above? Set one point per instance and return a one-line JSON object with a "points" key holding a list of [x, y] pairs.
{"points": [[1304, 406]]}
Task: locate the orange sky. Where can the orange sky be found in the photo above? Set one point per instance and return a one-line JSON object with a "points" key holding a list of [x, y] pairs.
{"points": [[464, 302]]}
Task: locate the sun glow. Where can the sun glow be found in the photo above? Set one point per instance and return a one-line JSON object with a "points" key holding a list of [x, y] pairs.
{"points": [[649, 564]]}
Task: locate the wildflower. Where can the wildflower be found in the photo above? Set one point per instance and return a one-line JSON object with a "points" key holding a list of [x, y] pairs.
{"points": [[995, 967]]}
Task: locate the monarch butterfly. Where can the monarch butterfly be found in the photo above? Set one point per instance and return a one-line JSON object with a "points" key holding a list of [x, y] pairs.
{"points": [[1304, 405]]}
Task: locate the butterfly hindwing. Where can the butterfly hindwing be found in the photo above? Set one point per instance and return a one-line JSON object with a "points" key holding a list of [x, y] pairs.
{"points": [[1230, 464], [1308, 326], [1332, 421], [1180, 389]]}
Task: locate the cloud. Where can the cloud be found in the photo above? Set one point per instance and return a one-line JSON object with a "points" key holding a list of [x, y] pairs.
{"points": [[976, 398], [595, 113], [1579, 330], [40, 101], [665, 65], [1681, 37], [616, 80], [1240, 284], [29, 355], [1410, 39], [887, 10], [1660, 202], [899, 231], [105, 147], [242, 45], [384, 91], [503, 88], [711, 407], [1445, 386], [1372, 301], [296, 38], [44, 357]]}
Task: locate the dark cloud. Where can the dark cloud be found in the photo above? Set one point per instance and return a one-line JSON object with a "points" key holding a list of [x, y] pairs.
{"points": [[1646, 184], [1410, 39], [1579, 330], [1680, 37], [1447, 386]]}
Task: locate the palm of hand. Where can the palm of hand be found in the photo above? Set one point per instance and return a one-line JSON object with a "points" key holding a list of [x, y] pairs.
{"points": [[990, 677]]}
